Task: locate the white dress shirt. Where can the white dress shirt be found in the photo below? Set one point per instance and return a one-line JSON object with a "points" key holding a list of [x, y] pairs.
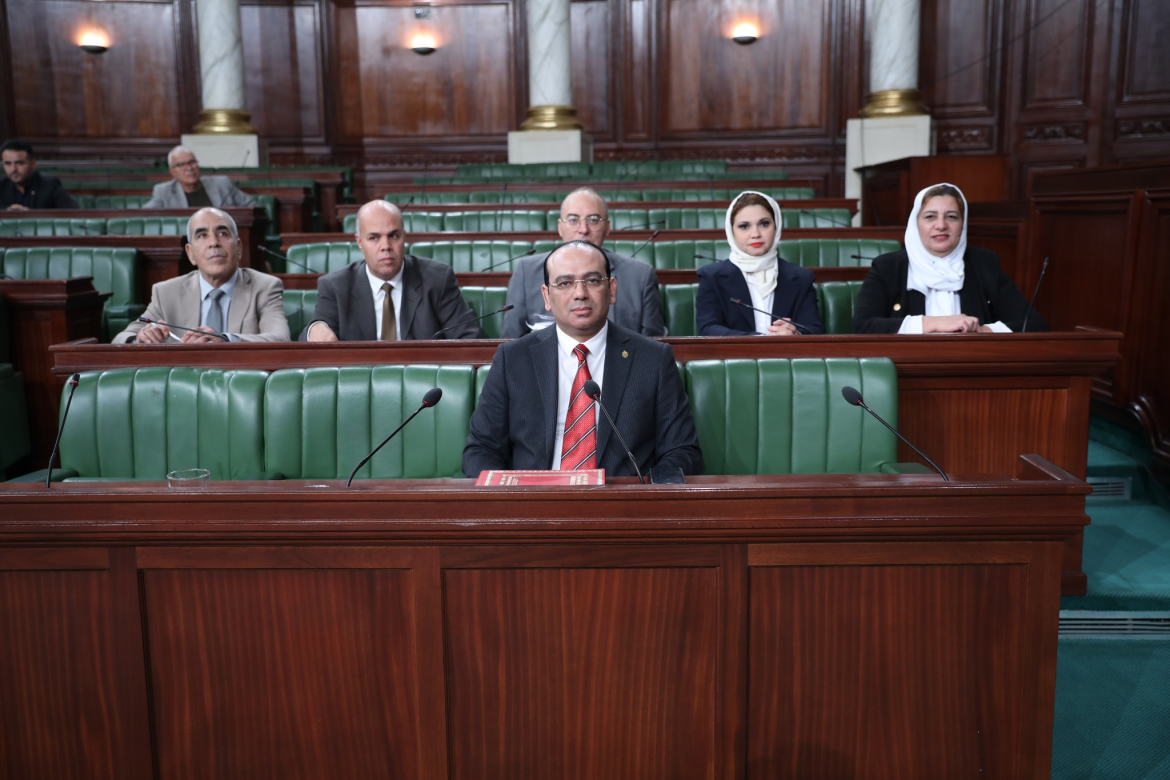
{"points": [[567, 372], [763, 321], [913, 324], [380, 297]]}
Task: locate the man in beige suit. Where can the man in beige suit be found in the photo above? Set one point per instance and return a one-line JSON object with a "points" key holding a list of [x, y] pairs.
{"points": [[217, 298]]}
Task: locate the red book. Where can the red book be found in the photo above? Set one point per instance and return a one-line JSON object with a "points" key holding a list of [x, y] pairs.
{"points": [[542, 477]]}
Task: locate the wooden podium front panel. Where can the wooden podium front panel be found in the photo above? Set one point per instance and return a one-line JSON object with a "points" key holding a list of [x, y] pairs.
{"points": [[864, 660], [582, 673]]}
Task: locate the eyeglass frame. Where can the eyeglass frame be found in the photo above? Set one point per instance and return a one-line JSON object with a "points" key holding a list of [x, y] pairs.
{"points": [[588, 220], [186, 164], [590, 283]]}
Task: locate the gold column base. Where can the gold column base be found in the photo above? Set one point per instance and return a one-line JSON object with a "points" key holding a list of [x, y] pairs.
{"points": [[894, 102], [224, 121], [551, 118]]}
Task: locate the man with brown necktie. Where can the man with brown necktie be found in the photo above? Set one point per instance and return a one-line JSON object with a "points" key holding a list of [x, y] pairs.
{"points": [[391, 296]]}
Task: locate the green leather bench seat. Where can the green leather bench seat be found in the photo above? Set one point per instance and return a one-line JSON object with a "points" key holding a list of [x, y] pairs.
{"points": [[483, 300], [779, 193], [118, 201], [299, 306], [835, 300], [835, 252], [518, 221], [466, 256], [147, 226], [115, 271], [52, 227], [413, 221], [673, 254], [320, 422], [321, 258], [780, 416]]}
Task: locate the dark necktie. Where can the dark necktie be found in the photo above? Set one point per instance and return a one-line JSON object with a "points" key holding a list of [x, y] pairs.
{"points": [[389, 327], [215, 313], [579, 447]]}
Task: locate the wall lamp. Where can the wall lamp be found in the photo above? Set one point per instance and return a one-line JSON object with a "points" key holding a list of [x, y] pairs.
{"points": [[745, 33], [423, 42], [94, 42]]}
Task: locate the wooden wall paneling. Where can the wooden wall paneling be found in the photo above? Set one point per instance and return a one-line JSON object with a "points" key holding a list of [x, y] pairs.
{"points": [[850, 61], [284, 79], [130, 92], [1139, 125], [594, 54], [639, 76], [464, 92], [778, 86], [297, 672], [959, 72], [7, 106]]}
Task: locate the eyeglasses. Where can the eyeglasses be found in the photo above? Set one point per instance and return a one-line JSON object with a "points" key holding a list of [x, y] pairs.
{"points": [[593, 220], [187, 164], [592, 283]]}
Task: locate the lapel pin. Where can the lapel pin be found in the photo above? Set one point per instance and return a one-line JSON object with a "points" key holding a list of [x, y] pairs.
{"points": [[897, 307], [625, 354]]}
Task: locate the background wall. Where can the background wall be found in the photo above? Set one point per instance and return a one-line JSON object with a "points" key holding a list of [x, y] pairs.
{"points": [[1051, 83]]}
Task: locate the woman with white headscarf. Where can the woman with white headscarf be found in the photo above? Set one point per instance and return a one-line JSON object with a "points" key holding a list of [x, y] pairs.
{"points": [[776, 298], [939, 284]]}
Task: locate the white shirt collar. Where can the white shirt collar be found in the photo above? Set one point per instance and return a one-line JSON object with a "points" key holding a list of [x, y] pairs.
{"points": [[205, 287], [376, 283], [567, 342]]}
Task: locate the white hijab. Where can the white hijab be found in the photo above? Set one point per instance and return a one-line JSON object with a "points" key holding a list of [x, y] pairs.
{"points": [[759, 271], [938, 278]]}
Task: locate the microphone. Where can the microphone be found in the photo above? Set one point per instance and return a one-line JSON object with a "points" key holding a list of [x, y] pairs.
{"points": [[266, 250], [406, 205], [247, 153], [6, 276], [852, 396], [593, 391], [509, 260], [701, 256], [1043, 270], [795, 324], [73, 382], [509, 307], [825, 218], [149, 321], [649, 225], [653, 236], [431, 398], [863, 257]]}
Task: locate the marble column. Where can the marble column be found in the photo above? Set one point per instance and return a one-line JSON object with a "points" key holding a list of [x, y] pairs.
{"points": [[550, 81], [893, 59], [221, 64]]}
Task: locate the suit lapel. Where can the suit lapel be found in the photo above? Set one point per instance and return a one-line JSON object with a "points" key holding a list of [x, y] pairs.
{"points": [[784, 295], [412, 292], [241, 300], [191, 302], [544, 365], [619, 356], [736, 287], [361, 303]]}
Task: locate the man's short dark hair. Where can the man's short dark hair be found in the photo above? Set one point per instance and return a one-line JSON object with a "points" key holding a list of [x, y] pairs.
{"points": [[581, 243], [16, 145]]}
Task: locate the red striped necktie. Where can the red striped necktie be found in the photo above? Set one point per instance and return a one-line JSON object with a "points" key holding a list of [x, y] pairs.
{"points": [[579, 447]]}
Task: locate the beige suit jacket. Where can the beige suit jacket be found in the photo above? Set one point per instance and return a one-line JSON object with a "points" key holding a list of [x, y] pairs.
{"points": [[256, 312]]}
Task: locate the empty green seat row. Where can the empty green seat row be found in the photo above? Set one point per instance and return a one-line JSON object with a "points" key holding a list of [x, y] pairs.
{"points": [[318, 423], [422, 198], [478, 256], [631, 175], [526, 220], [607, 168]]}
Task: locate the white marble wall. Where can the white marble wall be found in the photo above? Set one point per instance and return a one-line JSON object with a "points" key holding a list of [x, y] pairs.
{"points": [[221, 56], [893, 54], [549, 75]]}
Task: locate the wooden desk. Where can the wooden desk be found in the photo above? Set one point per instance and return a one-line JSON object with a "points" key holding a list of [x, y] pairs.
{"points": [[45, 312], [828, 626]]}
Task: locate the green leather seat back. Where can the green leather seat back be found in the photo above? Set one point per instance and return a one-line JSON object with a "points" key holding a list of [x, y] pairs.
{"points": [[720, 193], [118, 201], [483, 300], [626, 219], [816, 218], [320, 422], [147, 226], [780, 416], [836, 301], [84, 201], [52, 227], [321, 258], [465, 256], [113, 270], [518, 221], [678, 308], [835, 252], [673, 254], [299, 306], [268, 203], [142, 423], [412, 221]]}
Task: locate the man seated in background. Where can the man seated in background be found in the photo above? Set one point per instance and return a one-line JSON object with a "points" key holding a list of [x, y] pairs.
{"points": [[390, 295], [585, 217], [188, 188], [24, 188], [217, 297]]}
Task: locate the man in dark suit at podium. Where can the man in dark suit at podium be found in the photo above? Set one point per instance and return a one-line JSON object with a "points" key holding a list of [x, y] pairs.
{"points": [[533, 413]]}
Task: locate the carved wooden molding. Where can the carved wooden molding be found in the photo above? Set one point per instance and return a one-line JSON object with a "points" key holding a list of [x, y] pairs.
{"points": [[1072, 132], [955, 138], [1142, 128]]}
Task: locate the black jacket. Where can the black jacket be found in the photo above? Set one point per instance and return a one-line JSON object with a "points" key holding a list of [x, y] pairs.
{"points": [[47, 193], [987, 293], [716, 315]]}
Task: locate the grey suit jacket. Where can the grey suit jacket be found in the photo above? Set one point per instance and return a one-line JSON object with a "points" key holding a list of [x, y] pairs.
{"points": [[170, 195], [256, 312], [637, 308], [514, 423], [431, 301]]}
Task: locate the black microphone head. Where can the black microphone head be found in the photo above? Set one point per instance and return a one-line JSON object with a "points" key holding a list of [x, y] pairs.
{"points": [[509, 307], [591, 389], [737, 301], [432, 397], [75, 379], [851, 395]]}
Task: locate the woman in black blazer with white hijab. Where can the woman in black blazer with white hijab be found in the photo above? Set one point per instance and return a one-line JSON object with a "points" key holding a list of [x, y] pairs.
{"points": [[939, 284], [755, 274]]}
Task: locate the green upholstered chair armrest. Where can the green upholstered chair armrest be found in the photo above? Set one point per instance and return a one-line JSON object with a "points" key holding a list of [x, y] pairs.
{"points": [[905, 468], [59, 475]]}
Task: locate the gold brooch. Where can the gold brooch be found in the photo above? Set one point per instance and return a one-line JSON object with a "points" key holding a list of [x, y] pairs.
{"points": [[897, 307], [625, 354]]}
